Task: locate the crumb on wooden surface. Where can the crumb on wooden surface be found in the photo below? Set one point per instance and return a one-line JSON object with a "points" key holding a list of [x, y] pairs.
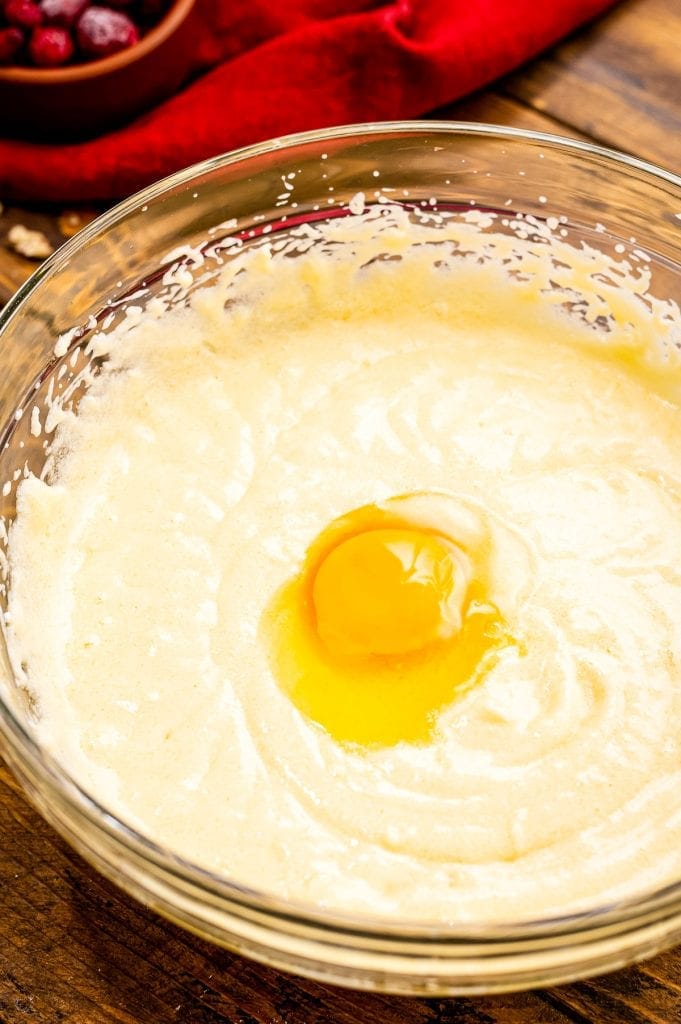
{"points": [[71, 221], [34, 245]]}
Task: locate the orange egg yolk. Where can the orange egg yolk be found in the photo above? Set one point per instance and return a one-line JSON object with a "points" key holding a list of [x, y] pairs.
{"points": [[386, 591], [384, 627]]}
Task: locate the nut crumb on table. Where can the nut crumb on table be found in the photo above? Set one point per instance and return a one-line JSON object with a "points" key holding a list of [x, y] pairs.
{"points": [[33, 245], [70, 222]]}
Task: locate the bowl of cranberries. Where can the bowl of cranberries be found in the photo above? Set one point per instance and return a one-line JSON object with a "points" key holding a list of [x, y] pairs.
{"points": [[74, 68]]}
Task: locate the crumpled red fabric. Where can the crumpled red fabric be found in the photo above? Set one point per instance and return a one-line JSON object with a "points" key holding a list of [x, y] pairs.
{"points": [[265, 68]]}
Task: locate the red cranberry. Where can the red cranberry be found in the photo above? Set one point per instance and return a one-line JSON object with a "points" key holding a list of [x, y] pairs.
{"points": [[11, 41], [63, 12], [50, 47], [23, 13], [102, 31]]}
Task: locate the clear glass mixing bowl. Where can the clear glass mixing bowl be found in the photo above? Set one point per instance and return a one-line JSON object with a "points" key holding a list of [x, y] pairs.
{"points": [[622, 204]]}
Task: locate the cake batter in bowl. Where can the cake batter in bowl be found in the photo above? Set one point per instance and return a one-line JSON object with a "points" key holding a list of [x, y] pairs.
{"points": [[341, 599]]}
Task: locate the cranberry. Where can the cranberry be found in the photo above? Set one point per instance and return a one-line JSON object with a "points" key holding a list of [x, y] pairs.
{"points": [[102, 31], [23, 13], [63, 12], [11, 41], [50, 47]]}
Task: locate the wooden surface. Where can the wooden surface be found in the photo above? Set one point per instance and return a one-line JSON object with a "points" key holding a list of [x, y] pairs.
{"points": [[72, 948]]}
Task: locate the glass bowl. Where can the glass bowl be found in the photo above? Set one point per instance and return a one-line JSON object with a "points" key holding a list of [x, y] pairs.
{"points": [[617, 202]]}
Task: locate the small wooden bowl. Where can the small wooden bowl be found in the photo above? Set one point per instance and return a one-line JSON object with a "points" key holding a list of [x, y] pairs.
{"points": [[65, 104]]}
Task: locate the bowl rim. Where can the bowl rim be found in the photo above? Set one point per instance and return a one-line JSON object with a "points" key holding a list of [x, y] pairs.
{"points": [[629, 914], [156, 36]]}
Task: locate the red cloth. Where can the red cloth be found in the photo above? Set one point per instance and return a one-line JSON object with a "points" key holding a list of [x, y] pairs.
{"points": [[268, 67]]}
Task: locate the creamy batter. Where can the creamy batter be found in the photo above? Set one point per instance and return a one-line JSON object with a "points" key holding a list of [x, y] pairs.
{"points": [[222, 438]]}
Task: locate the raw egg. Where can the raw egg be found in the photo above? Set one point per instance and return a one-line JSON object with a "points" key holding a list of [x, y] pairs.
{"points": [[386, 624], [387, 591]]}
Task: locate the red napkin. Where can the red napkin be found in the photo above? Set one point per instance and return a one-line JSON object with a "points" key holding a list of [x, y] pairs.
{"points": [[267, 68]]}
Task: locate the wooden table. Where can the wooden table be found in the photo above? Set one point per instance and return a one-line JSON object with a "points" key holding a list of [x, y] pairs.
{"points": [[73, 948]]}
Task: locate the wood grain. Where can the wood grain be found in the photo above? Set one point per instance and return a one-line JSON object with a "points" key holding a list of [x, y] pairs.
{"points": [[503, 109], [618, 82], [72, 947]]}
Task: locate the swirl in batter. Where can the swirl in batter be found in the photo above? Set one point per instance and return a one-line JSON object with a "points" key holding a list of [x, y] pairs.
{"points": [[217, 445]]}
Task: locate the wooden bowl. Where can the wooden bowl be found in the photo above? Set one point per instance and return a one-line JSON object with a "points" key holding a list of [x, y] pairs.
{"points": [[65, 104]]}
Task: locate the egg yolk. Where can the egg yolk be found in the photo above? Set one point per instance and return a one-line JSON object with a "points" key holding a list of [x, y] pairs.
{"points": [[386, 624], [386, 591]]}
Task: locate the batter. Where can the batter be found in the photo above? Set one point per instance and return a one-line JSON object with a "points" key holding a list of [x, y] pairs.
{"points": [[356, 580]]}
